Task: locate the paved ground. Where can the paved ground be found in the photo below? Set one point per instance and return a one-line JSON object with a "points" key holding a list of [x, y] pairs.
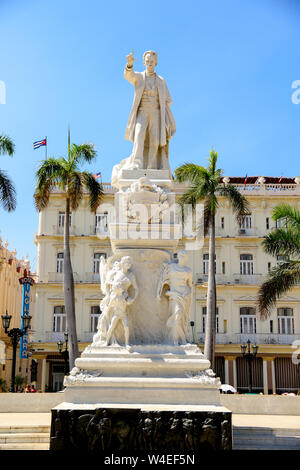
{"points": [[268, 421], [25, 419]]}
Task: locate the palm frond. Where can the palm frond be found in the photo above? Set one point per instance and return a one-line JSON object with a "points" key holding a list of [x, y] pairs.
{"points": [[282, 242], [194, 194], [94, 189], [206, 215], [191, 172], [75, 189], [279, 281], [84, 153], [7, 193], [239, 203], [51, 170], [289, 214], [6, 145], [213, 157], [42, 195]]}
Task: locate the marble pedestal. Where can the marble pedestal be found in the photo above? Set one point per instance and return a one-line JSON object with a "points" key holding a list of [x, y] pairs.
{"points": [[144, 398], [151, 395]]}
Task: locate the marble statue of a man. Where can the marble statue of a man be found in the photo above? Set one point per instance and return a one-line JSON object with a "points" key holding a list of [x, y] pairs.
{"points": [[150, 112]]}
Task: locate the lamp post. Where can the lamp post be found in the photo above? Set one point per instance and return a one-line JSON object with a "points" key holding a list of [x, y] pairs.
{"points": [[192, 326], [249, 356], [64, 353], [15, 334]]}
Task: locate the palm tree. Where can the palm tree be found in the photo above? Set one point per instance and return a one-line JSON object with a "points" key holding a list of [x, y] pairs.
{"points": [[7, 189], [65, 174], [285, 242], [206, 187]]}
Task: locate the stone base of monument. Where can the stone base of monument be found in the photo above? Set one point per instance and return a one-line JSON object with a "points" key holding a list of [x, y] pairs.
{"points": [[144, 397], [140, 428]]}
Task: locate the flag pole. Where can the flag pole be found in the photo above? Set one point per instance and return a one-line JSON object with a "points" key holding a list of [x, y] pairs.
{"points": [[46, 148]]}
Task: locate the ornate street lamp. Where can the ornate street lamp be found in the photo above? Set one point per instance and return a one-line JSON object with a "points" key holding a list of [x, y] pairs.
{"points": [[192, 326], [64, 353], [15, 334], [249, 356]]}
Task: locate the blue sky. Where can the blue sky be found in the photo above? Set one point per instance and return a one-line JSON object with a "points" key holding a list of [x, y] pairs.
{"points": [[229, 66]]}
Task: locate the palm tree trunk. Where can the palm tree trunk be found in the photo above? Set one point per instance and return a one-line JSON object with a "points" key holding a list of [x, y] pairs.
{"points": [[210, 325], [69, 295]]}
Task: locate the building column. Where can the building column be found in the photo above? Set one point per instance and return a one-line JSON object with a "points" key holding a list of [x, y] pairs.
{"points": [[273, 376], [230, 371], [44, 375], [226, 371], [268, 375], [234, 372]]}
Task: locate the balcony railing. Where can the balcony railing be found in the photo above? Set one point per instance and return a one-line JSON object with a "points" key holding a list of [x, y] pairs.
{"points": [[90, 277], [223, 279], [100, 232], [58, 277], [94, 278], [54, 337], [267, 188], [255, 338], [266, 338]]}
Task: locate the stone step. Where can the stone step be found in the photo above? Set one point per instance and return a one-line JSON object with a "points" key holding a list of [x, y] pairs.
{"points": [[266, 438], [25, 446], [25, 429], [24, 437]]}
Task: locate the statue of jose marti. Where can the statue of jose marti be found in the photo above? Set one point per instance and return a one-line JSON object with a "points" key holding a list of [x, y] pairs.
{"points": [[151, 123]]}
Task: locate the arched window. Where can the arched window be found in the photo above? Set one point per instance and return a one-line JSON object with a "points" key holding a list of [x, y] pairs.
{"points": [[247, 320], [60, 262], [246, 264], [95, 313], [59, 319]]}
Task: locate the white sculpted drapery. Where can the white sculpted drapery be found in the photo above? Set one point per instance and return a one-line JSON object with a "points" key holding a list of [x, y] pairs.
{"points": [[116, 283], [178, 278]]}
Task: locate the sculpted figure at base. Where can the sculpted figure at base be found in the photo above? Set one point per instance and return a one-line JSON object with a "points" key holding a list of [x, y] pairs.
{"points": [[116, 282], [151, 123], [178, 278]]}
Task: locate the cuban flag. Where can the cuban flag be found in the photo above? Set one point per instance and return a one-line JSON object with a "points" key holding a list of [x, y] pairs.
{"points": [[97, 175], [245, 180], [39, 143]]}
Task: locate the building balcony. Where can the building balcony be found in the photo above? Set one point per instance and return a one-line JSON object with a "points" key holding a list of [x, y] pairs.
{"points": [[58, 277], [54, 336], [59, 230], [226, 279], [255, 338], [101, 232], [266, 338], [93, 278]]}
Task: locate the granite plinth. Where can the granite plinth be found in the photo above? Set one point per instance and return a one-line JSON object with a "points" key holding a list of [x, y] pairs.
{"points": [[140, 429]]}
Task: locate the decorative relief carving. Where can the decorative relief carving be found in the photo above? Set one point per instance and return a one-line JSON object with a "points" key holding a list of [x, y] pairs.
{"points": [[112, 430]]}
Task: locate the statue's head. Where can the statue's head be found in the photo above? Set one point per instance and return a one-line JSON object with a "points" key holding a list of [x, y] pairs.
{"points": [[150, 60], [126, 262]]}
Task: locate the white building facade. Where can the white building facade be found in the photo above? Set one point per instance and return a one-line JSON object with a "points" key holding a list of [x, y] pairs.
{"points": [[241, 265]]}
